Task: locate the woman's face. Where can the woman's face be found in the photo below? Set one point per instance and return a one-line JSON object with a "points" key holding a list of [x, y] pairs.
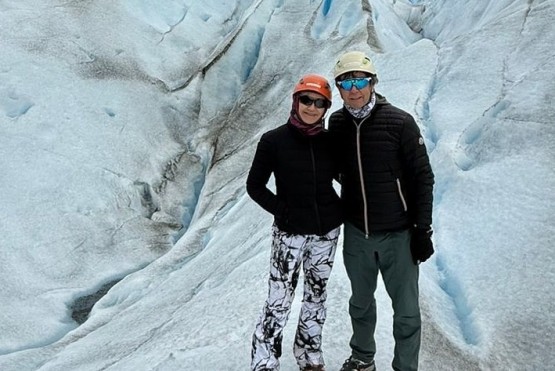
{"points": [[312, 107], [357, 98]]}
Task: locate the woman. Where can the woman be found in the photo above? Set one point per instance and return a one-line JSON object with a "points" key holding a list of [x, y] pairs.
{"points": [[307, 216]]}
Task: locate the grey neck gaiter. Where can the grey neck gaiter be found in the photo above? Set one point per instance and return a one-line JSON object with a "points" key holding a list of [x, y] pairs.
{"points": [[361, 113]]}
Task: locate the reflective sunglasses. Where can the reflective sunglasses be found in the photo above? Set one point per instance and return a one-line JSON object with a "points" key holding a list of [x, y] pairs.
{"points": [[307, 101], [359, 83]]}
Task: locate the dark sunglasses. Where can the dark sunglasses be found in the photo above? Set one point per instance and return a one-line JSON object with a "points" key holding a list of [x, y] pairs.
{"points": [[359, 83], [307, 101]]}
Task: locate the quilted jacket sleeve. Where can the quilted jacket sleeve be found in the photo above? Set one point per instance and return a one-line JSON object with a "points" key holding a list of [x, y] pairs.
{"points": [[419, 173], [261, 169]]}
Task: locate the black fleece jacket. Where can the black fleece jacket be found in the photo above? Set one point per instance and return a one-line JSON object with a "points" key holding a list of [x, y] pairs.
{"points": [[387, 181], [304, 167]]}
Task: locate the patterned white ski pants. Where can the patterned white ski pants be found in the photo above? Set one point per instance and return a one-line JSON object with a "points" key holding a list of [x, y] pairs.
{"points": [[289, 251]]}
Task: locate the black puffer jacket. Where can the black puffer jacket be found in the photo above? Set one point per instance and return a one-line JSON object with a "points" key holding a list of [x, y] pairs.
{"points": [[304, 167], [387, 180]]}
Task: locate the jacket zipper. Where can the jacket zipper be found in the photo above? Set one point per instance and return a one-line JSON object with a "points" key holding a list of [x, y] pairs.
{"points": [[318, 221], [363, 189], [401, 194]]}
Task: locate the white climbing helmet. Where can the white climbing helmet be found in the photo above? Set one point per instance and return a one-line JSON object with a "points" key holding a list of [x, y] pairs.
{"points": [[353, 61]]}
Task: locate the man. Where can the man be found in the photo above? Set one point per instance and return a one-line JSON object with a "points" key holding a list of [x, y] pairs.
{"points": [[387, 185]]}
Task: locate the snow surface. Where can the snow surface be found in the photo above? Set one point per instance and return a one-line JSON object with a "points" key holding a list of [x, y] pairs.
{"points": [[126, 132]]}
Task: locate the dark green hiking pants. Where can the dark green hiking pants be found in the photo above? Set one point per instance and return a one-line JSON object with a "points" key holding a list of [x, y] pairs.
{"points": [[389, 254]]}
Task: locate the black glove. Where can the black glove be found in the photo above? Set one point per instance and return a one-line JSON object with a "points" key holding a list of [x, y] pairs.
{"points": [[421, 246]]}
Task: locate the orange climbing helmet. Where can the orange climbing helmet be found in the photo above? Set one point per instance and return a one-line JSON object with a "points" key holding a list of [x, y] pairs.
{"points": [[316, 83]]}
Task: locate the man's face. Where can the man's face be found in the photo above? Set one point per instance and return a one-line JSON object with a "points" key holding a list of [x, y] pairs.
{"points": [[356, 98]]}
